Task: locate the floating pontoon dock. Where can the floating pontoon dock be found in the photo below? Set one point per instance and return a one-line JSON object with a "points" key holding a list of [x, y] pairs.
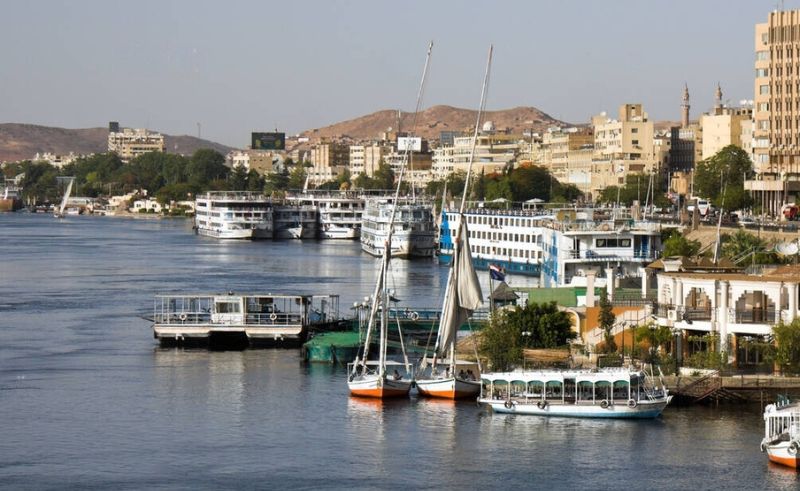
{"points": [[179, 319]]}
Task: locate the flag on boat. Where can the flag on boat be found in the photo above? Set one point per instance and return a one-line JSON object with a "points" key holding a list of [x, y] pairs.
{"points": [[496, 272]]}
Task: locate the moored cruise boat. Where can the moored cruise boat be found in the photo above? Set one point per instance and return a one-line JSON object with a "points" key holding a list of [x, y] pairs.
{"points": [[295, 221], [606, 393], [339, 214], [10, 198], [781, 439], [233, 215], [561, 247], [413, 233]]}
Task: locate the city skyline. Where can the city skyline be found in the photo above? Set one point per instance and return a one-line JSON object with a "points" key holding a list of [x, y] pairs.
{"points": [[233, 70]]}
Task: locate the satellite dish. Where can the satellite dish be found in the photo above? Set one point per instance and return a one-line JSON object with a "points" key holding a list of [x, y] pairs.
{"points": [[787, 248]]}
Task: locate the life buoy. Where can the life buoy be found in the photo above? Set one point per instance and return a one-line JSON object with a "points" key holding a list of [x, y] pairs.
{"points": [[541, 404], [632, 403], [183, 317], [414, 316], [273, 316], [604, 404], [793, 448], [508, 404]]}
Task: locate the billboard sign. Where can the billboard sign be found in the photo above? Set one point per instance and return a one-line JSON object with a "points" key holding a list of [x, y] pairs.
{"points": [[268, 141], [405, 143]]}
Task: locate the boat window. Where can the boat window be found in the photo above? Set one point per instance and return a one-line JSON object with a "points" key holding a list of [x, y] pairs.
{"points": [[602, 390], [554, 390], [517, 388], [535, 388], [621, 390], [585, 390], [228, 307]]}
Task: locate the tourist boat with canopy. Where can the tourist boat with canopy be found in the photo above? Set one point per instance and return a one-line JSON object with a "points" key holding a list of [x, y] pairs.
{"points": [[781, 440], [444, 375], [606, 393], [371, 378]]}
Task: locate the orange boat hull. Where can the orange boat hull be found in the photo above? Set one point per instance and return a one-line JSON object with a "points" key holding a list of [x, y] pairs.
{"points": [[787, 461], [379, 393]]}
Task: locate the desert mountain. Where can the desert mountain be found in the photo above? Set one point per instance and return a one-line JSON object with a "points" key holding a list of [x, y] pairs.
{"points": [[23, 141], [433, 120]]}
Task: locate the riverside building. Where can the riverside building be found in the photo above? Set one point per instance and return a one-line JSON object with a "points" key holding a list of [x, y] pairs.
{"points": [[776, 111], [129, 143]]}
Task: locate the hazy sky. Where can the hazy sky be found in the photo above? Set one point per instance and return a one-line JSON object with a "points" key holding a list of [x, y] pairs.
{"points": [[238, 66]]}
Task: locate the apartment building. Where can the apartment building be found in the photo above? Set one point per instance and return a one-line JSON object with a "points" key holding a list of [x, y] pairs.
{"points": [[328, 160], [725, 126], [129, 143], [365, 159], [776, 111]]}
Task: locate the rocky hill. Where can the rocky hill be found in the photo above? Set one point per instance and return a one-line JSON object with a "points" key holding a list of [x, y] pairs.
{"points": [[23, 141], [433, 120]]}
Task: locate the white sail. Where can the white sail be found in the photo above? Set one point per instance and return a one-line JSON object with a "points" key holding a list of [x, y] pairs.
{"points": [[65, 198]]}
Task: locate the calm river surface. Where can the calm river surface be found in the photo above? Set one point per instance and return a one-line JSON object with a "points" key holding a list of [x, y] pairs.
{"points": [[88, 400]]}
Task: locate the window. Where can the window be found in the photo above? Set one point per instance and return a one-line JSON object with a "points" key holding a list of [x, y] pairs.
{"points": [[762, 55], [634, 130], [762, 72], [763, 89], [763, 106]]}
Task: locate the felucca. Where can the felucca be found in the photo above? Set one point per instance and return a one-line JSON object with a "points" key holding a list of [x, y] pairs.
{"points": [[444, 375], [372, 378]]}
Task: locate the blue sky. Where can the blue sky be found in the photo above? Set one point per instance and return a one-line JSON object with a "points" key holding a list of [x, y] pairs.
{"points": [[238, 66]]}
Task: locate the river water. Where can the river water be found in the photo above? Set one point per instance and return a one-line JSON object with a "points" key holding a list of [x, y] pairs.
{"points": [[88, 400]]}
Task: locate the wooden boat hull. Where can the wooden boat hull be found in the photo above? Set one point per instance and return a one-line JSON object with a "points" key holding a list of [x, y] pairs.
{"points": [[779, 454], [379, 388], [643, 409], [449, 388]]}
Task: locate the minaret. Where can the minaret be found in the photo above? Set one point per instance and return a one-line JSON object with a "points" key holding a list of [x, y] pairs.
{"points": [[685, 107], [718, 97]]}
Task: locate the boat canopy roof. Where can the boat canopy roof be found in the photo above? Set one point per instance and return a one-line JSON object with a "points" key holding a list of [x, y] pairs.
{"points": [[387, 363], [545, 376]]}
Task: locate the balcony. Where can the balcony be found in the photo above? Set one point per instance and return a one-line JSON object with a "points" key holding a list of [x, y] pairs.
{"points": [[754, 316]]}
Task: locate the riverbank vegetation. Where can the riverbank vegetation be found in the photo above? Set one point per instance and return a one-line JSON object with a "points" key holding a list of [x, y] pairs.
{"points": [[513, 329]]}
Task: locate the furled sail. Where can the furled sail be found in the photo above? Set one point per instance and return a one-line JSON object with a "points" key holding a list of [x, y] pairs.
{"points": [[463, 291]]}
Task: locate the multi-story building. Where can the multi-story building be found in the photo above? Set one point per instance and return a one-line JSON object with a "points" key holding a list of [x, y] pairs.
{"points": [[58, 161], [129, 143], [557, 146], [365, 159], [262, 161], [328, 160], [629, 138], [776, 111], [725, 126]]}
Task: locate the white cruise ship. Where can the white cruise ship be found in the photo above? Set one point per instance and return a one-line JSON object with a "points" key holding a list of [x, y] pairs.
{"points": [[414, 229], [295, 221], [560, 247], [339, 214], [233, 215]]}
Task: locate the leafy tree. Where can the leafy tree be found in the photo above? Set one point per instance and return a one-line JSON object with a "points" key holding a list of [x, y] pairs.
{"points": [[206, 165], [175, 192], [343, 179], [383, 177], [498, 187], [147, 169], [606, 320], [530, 181], [737, 245], [277, 181], [655, 336], [721, 178], [635, 189], [500, 343], [678, 245], [534, 326], [787, 346], [238, 179], [297, 178], [255, 181]]}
